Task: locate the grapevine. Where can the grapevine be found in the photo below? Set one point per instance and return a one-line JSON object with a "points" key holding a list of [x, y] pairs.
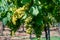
{"points": [[34, 14]]}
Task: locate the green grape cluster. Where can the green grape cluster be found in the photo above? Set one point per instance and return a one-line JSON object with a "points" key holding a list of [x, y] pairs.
{"points": [[14, 19], [29, 30], [28, 19], [28, 25], [19, 13]]}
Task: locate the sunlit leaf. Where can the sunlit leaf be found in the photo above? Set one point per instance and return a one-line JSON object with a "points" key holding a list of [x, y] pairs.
{"points": [[34, 10]]}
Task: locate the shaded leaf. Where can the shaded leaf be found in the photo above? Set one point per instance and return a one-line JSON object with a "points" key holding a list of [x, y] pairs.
{"points": [[25, 1]]}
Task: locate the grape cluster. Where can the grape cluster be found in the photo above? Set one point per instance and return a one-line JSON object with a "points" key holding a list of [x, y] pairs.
{"points": [[28, 25], [14, 19], [29, 30], [19, 13], [28, 19]]}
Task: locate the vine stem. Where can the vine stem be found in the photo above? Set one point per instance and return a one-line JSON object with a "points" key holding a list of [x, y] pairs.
{"points": [[30, 37]]}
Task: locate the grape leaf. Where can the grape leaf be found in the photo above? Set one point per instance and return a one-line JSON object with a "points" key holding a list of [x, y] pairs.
{"points": [[34, 10]]}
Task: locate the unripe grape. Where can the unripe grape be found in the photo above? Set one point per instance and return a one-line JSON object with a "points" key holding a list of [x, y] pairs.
{"points": [[14, 20], [24, 8], [25, 24], [29, 30], [28, 20], [20, 16]]}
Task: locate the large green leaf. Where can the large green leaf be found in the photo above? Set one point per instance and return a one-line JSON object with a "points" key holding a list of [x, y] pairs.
{"points": [[34, 10]]}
